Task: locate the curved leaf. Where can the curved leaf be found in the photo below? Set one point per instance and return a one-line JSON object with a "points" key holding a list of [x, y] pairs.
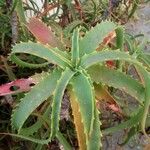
{"points": [[116, 79], [145, 59], [146, 77], [36, 126], [63, 141], [83, 90], [22, 63], [133, 121], [52, 55], [58, 95], [98, 57], [34, 98], [94, 142], [77, 117]]}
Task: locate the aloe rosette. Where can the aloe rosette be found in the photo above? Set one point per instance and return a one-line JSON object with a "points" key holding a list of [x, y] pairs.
{"points": [[77, 72]]}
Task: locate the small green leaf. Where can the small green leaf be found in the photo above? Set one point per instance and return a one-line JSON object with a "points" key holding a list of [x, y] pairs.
{"points": [[132, 132], [63, 141], [120, 38], [144, 58], [120, 44]]}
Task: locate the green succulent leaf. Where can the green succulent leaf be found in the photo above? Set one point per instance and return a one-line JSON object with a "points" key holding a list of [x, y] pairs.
{"points": [[120, 44], [94, 142], [83, 90], [58, 95], [132, 132], [98, 57], [120, 38], [52, 55], [95, 36], [63, 141], [34, 98], [35, 127], [22, 63], [69, 28], [117, 79], [75, 47], [144, 58], [133, 121], [146, 77]]}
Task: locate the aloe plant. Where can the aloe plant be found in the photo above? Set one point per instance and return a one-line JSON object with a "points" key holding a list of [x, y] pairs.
{"points": [[77, 71]]}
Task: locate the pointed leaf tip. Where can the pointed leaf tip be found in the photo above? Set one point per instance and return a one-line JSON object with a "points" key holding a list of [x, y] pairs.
{"points": [[41, 32]]}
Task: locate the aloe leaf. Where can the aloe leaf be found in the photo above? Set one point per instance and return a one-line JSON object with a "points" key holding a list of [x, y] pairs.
{"points": [[117, 79], [83, 90], [101, 93], [95, 36], [75, 47], [146, 77], [116, 55], [120, 44], [22, 63], [52, 55], [133, 131], [32, 129], [58, 95], [144, 58], [38, 141], [94, 142], [34, 98], [77, 117], [23, 85], [35, 127], [120, 38], [63, 141], [43, 33], [133, 121], [21, 15], [72, 26], [98, 57]]}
